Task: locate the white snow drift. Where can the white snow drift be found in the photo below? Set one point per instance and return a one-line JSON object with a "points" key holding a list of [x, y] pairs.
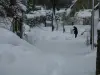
{"points": [[17, 57]]}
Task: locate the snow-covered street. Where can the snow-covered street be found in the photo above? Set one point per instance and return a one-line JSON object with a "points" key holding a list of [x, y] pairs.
{"points": [[29, 46], [70, 52], [51, 56]]}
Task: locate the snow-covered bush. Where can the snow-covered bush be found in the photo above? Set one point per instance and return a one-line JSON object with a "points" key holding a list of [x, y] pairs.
{"points": [[69, 20], [83, 17], [36, 19]]}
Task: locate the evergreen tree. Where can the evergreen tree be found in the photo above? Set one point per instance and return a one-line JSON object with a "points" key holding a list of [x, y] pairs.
{"points": [[30, 4]]}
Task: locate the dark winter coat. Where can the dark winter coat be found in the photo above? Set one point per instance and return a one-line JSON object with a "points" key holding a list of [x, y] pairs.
{"points": [[75, 30]]}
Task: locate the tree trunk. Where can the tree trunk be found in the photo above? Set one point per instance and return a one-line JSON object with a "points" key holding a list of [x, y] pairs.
{"points": [[63, 28], [98, 55], [91, 32], [12, 2], [57, 25], [21, 28], [17, 23], [53, 2], [52, 23], [45, 22]]}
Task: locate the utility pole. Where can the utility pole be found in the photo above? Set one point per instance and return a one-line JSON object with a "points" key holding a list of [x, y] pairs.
{"points": [[92, 26], [98, 55], [98, 48]]}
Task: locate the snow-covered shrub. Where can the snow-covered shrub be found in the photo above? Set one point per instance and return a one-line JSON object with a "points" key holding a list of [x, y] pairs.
{"points": [[69, 20], [78, 20], [83, 17], [35, 20]]}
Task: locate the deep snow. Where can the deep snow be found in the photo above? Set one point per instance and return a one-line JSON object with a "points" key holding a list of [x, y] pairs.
{"points": [[74, 51], [49, 53], [56, 57]]}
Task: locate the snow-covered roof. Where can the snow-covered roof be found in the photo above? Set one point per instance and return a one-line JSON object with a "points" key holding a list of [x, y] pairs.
{"points": [[84, 13]]}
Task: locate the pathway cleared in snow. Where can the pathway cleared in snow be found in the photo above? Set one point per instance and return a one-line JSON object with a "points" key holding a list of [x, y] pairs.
{"points": [[67, 47], [60, 43]]}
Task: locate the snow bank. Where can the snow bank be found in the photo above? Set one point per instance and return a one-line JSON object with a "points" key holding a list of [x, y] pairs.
{"points": [[17, 57], [9, 38]]}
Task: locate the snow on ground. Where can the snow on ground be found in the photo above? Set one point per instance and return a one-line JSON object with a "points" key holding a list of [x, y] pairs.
{"points": [[17, 57], [85, 14], [74, 51], [42, 33], [58, 54]]}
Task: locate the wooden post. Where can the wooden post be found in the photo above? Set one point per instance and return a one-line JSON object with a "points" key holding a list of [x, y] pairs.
{"points": [[98, 55]]}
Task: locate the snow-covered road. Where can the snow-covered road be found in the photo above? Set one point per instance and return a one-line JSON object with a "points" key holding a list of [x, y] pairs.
{"points": [[59, 42], [52, 53], [75, 52]]}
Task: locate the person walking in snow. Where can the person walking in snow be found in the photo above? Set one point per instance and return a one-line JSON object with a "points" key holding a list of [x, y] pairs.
{"points": [[75, 31]]}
